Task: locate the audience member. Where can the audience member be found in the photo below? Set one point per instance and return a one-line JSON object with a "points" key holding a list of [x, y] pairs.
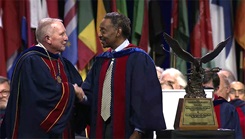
{"points": [[226, 113], [173, 79], [237, 95], [44, 89], [223, 88], [228, 74], [208, 80], [240, 108], [237, 90], [134, 94], [160, 74], [4, 96]]}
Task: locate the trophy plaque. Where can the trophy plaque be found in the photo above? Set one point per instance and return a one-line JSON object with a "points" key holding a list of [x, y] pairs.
{"points": [[195, 114]]}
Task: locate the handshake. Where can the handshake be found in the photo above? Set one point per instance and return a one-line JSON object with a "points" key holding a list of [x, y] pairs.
{"points": [[79, 93]]}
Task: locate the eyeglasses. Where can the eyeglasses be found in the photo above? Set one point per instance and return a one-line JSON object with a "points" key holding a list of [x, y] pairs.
{"points": [[5, 93], [207, 87], [240, 91]]}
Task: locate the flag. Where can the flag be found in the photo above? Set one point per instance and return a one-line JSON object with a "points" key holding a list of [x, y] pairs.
{"points": [[239, 33], [120, 6], [201, 33], [240, 24], [144, 39], [158, 25], [11, 32], [241, 76], [70, 22], [102, 8], [113, 6], [87, 47], [52, 8], [38, 10], [25, 24], [138, 19], [243, 66], [25, 33], [3, 69], [221, 20], [180, 31]]}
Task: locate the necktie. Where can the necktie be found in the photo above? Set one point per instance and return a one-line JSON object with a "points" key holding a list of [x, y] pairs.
{"points": [[106, 93]]}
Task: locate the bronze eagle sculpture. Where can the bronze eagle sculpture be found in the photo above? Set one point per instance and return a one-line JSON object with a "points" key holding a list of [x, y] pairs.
{"points": [[194, 88]]}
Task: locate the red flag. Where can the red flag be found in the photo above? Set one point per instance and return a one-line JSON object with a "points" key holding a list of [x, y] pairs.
{"points": [[52, 6], [201, 35], [244, 66], [11, 27], [113, 6], [145, 29], [3, 69]]}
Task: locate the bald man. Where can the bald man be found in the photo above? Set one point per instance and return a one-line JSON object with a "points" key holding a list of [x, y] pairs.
{"points": [[226, 113], [237, 90], [237, 96]]}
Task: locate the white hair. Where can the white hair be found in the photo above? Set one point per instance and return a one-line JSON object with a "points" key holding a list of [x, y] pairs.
{"points": [[44, 26], [159, 69], [177, 74]]}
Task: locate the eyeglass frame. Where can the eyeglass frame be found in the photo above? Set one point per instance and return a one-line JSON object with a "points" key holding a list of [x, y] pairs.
{"points": [[240, 91], [5, 93]]}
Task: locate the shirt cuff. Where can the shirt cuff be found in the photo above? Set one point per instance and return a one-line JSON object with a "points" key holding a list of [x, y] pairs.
{"points": [[141, 131]]}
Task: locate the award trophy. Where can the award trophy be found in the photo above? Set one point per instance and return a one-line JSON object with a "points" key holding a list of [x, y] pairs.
{"points": [[195, 111]]}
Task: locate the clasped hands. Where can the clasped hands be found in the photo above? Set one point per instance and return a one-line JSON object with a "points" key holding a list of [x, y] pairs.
{"points": [[79, 92]]}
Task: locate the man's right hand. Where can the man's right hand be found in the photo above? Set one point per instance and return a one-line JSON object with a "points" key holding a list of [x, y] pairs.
{"points": [[79, 92]]}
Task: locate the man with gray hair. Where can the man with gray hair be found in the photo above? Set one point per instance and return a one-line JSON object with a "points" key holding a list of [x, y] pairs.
{"points": [[173, 79], [45, 90], [228, 74]]}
